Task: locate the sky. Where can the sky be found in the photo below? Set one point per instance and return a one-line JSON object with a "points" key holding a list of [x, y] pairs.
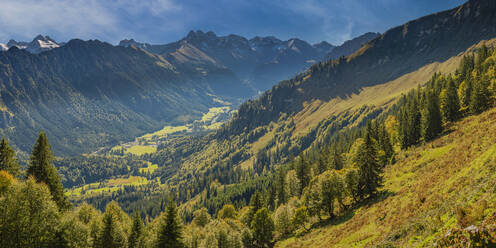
{"points": [[164, 21]]}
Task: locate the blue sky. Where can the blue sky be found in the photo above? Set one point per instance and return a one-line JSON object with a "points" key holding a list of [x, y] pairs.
{"points": [[163, 21]]}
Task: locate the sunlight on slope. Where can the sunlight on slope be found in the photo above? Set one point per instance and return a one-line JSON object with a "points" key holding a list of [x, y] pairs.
{"points": [[424, 189]]}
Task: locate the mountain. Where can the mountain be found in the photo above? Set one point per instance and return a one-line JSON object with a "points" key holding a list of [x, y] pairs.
{"points": [[3, 47], [39, 44], [87, 94], [331, 101], [259, 62], [324, 47], [399, 51], [350, 46]]}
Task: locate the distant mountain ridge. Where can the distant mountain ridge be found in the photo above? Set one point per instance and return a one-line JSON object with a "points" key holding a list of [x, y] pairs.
{"points": [[259, 61]]}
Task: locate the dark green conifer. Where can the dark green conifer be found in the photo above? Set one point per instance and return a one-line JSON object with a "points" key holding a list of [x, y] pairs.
{"points": [[369, 169], [479, 99], [42, 169], [170, 230], [281, 186], [303, 173], [450, 105], [136, 236], [431, 118]]}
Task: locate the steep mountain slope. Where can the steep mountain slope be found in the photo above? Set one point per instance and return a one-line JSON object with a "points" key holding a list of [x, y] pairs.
{"points": [[399, 51], [430, 189], [88, 93]]}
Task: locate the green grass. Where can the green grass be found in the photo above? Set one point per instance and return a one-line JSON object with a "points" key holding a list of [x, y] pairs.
{"points": [[150, 169], [140, 150], [166, 131], [107, 186]]}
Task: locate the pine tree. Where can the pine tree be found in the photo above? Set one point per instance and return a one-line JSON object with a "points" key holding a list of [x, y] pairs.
{"points": [[431, 118], [136, 236], [450, 106], [281, 186], [369, 170], [303, 173], [8, 160], [42, 169], [170, 230], [262, 228]]}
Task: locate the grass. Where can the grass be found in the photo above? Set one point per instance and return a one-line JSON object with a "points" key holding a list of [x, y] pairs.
{"points": [[166, 131], [150, 169], [107, 186], [140, 150], [427, 184]]}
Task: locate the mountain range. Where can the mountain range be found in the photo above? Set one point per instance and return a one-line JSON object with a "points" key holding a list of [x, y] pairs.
{"points": [[88, 94], [259, 62]]}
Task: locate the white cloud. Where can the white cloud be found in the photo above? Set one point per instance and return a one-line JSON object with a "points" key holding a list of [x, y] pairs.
{"points": [[74, 18]]}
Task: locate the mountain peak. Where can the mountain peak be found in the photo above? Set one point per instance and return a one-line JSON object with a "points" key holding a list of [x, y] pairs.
{"points": [[195, 35]]}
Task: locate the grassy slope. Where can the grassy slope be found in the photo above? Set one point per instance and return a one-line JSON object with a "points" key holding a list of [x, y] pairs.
{"points": [[422, 192]]}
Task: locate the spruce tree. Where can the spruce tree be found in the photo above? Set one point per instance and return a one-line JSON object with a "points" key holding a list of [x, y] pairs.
{"points": [[369, 169], [42, 169], [281, 186], [385, 144], [255, 205], [170, 230], [303, 173], [336, 162], [479, 99], [431, 118], [111, 235], [136, 236], [8, 160], [450, 105]]}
